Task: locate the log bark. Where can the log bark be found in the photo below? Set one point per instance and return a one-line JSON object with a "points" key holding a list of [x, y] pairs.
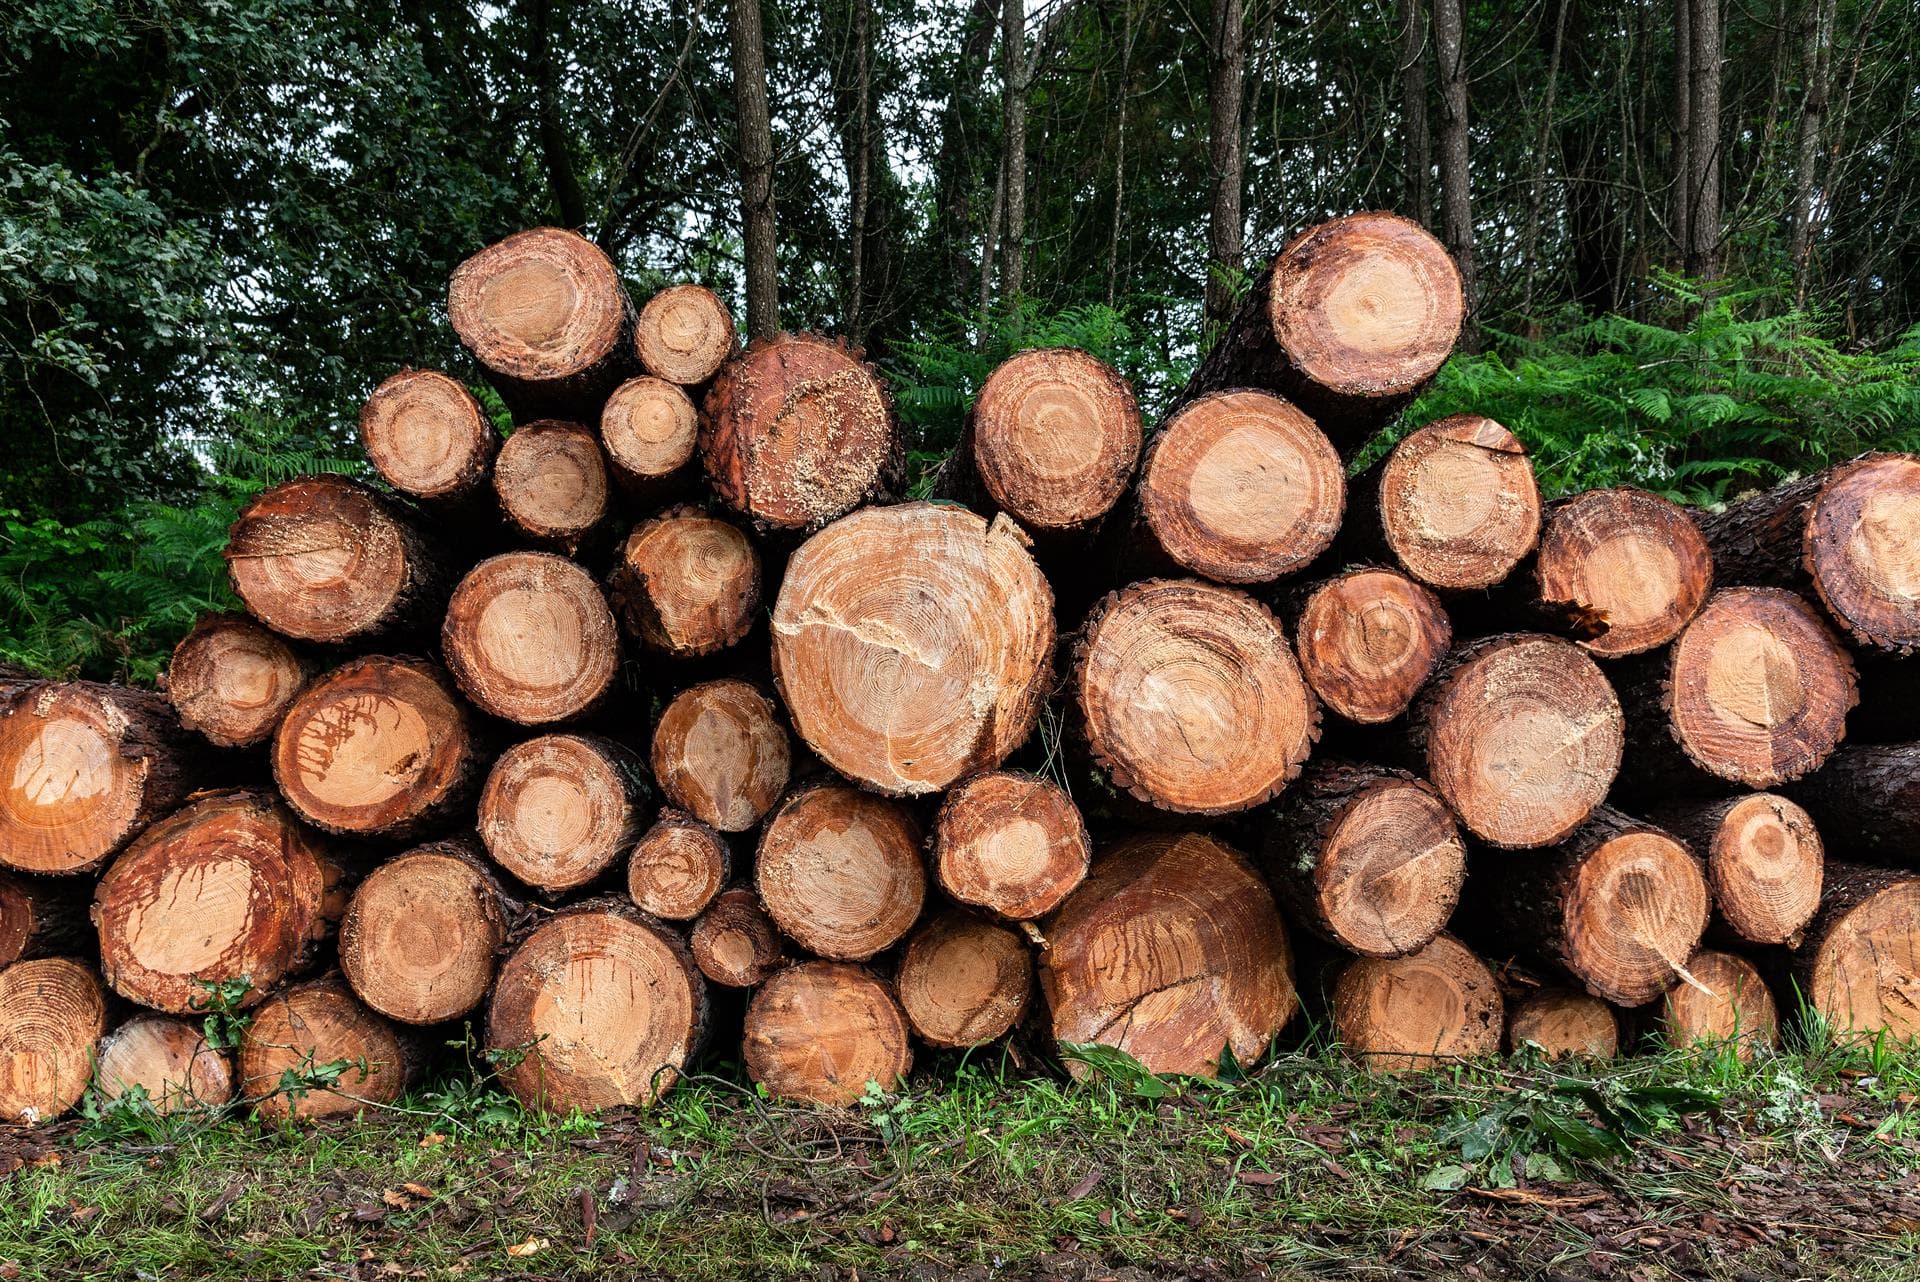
{"points": [[734, 942], [1170, 950], [530, 639], [428, 437], [545, 314], [1189, 697], [684, 334], [1867, 800], [40, 917], [1764, 862], [420, 935], [233, 680], [1349, 322], [912, 645], [1564, 1024], [1010, 842], [1365, 857], [687, 584], [320, 1025], [168, 1061], [649, 428], [678, 867], [229, 888], [1422, 1010], [83, 769], [1850, 534], [1368, 641], [797, 431], [964, 981], [1631, 562], [561, 809], [1522, 735], [52, 1015], [1728, 1007], [551, 482], [607, 1006], [839, 871], [818, 1032], [1860, 965], [379, 746], [325, 559], [720, 753]]}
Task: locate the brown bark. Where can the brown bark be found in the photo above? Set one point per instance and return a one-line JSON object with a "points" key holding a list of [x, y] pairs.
{"points": [[551, 482], [421, 933], [1416, 143], [1764, 862], [232, 680], [43, 918], [315, 1026], [684, 334], [678, 867], [649, 428], [687, 584], [561, 809], [1456, 179], [1727, 1007], [734, 942], [1016, 78], [1703, 146], [1866, 799], [1010, 842], [1564, 1024], [818, 1032], [964, 980], [1422, 1010], [1368, 640], [530, 639], [747, 47], [168, 1061], [427, 436], [1630, 562], [721, 754], [839, 871], [1226, 88], [1860, 964], [52, 1015]]}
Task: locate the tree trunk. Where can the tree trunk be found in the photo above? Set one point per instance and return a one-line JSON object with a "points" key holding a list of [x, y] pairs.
{"points": [[1564, 1024], [43, 918], [1866, 800], [1415, 142], [1764, 859], [1860, 964], [1449, 46], [818, 1032], [1010, 842], [839, 871], [52, 1015], [545, 74], [560, 810], [170, 1063], [1125, 96], [1816, 78], [428, 437], [1703, 152], [859, 170], [1682, 126], [309, 1027], [953, 165], [964, 981], [1015, 79], [1537, 197], [1421, 1010], [678, 867], [1726, 1007], [530, 639], [1629, 562], [756, 167], [734, 942], [648, 429], [551, 481], [1368, 641], [232, 680], [721, 753], [989, 237], [684, 335], [687, 584], [1225, 89], [422, 932]]}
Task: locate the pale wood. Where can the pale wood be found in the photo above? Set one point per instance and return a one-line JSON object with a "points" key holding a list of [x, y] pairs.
{"points": [[313, 1025], [1630, 561], [427, 436], [1765, 862], [1455, 504], [1564, 1024], [559, 810], [964, 980], [684, 334], [1727, 1006], [551, 482], [1368, 640], [1010, 842], [1860, 965], [839, 871], [232, 680], [678, 867], [1424, 1010], [687, 584], [420, 934], [52, 1014], [734, 942], [720, 753], [169, 1061], [818, 1032], [530, 639], [1053, 437], [649, 428]]}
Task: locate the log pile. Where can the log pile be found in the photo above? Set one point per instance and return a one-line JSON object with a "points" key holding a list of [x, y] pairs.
{"points": [[1147, 739]]}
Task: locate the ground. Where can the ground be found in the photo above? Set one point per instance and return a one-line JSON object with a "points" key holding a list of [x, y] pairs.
{"points": [[1804, 1165]]}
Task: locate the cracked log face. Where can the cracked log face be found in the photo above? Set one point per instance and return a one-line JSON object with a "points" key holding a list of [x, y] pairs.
{"points": [[168, 1060], [1632, 914], [1419, 1011], [1523, 738], [1241, 487], [1458, 503], [1729, 1006], [797, 431], [1565, 1024], [52, 1013], [426, 435], [677, 867], [551, 480], [964, 980], [1764, 859], [1055, 436], [315, 1024], [721, 754], [839, 871], [1368, 641], [818, 1032], [1863, 976], [560, 809], [232, 680], [1171, 949], [228, 888], [544, 311], [1010, 842], [913, 644], [421, 932], [529, 638], [1862, 549], [1190, 697], [649, 428], [687, 583], [734, 942], [684, 334], [1628, 559]]}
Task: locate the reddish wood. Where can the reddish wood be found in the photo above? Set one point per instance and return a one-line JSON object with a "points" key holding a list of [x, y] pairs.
{"points": [[839, 870], [684, 334], [734, 942], [721, 754], [168, 1061], [687, 584], [1564, 1024], [1727, 1006], [427, 436], [1764, 862], [648, 428], [1010, 842], [818, 1032], [1631, 562], [1368, 641], [52, 1014], [678, 867], [551, 481], [530, 639], [561, 809], [964, 980], [421, 932], [321, 1025], [1860, 965], [232, 680], [1422, 1010]]}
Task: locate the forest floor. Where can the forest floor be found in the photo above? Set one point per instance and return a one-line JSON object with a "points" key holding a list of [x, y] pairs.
{"points": [[1684, 1166]]}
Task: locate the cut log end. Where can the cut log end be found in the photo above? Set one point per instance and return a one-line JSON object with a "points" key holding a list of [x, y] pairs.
{"points": [[1191, 698], [684, 334], [1423, 1010], [321, 1026], [1727, 1006], [1633, 916], [1368, 642], [52, 1015], [1862, 549], [1631, 561], [551, 480], [819, 1032], [1764, 863], [232, 680], [1865, 955], [530, 639], [688, 584], [168, 1062], [560, 809], [420, 934], [1565, 1024], [964, 980], [839, 870], [734, 942], [42, 918], [426, 435], [721, 754], [913, 644], [1056, 434], [649, 428], [677, 867], [542, 306], [1010, 842], [1458, 503]]}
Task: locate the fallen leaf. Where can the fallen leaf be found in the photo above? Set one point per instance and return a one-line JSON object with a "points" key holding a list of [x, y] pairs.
{"points": [[1529, 1197], [396, 1199], [532, 1246], [418, 1190], [432, 1139], [1086, 1185], [1260, 1179], [1237, 1137]]}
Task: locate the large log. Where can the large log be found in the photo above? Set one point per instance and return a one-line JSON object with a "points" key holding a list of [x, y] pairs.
{"points": [[1850, 534], [1627, 562], [649, 428], [560, 809], [1368, 641], [1867, 800], [166, 1060], [678, 867], [1170, 950], [551, 482], [1727, 1006], [913, 644], [819, 1032], [1764, 861], [600, 1007], [379, 746], [720, 753], [1349, 322], [1422, 1010], [839, 871], [40, 917], [734, 942], [1190, 699], [232, 680], [1859, 968], [546, 315], [228, 889], [1564, 1024], [964, 980], [1366, 857], [428, 437], [420, 934], [684, 334], [1522, 735], [52, 1014], [83, 768], [687, 584], [798, 430], [314, 1051], [324, 558], [1010, 842], [530, 639]]}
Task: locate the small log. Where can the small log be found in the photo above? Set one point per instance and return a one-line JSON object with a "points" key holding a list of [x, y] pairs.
{"points": [[428, 437], [734, 942], [1867, 798], [559, 810], [839, 871], [530, 639], [83, 768], [325, 559], [1860, 965], [1764, 862], [52, 1014], [1170, 950], [546, 315], [1564, 1024], [648, 428], [1189, 697], [551, 481], [1349, 322], [678, 867], [720, 753], [314, 1051], [1010, 842], [687, 584], [684, 334], [40, 917], [1522, 735], [379, 746], [232, 680], [421, 933], [1849, 535], [1365, 857], [964, 980], [229, 888], [1632, 563], [1728, 1006], [168, 1061], [1368, 640], [1421, 1010], [818, 1032], [913, 645], [606, 1005]]}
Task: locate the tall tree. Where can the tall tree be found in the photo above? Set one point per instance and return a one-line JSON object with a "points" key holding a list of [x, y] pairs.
{"points": [[859, 148], [1816, 73], [953, 166], [1449, 44], [1703, 150], [554, 148], [1226, 228], [1416, 144], [1015, 80], [755, 126]]}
